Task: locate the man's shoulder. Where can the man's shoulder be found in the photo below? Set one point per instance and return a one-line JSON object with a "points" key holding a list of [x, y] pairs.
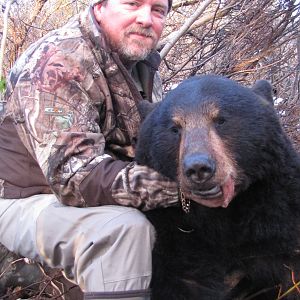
{"points": [[64, 38], [64, 43]]}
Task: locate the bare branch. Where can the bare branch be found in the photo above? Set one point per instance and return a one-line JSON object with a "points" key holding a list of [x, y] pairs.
{"points": [[4, 35], [184, 28]]}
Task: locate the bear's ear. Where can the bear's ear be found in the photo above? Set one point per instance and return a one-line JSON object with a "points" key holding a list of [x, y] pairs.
{"points": [[264, 89], [145, 108]]}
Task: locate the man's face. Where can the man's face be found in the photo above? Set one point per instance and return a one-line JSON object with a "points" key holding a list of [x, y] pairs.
{"points": [[133, 27]]}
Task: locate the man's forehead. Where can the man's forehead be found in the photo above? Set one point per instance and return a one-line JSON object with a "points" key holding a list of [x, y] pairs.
{"points": [[155, 2]]}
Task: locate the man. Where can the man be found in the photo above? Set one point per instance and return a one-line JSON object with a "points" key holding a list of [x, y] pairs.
{"points": [[69, 189]]}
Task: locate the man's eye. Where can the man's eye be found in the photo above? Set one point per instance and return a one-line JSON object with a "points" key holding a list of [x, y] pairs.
{"points": [[132, 3], [160, 11]]}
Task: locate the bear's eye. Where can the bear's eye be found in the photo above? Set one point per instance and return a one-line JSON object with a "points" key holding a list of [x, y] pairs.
{"points": [[220, 120], [175, 129]]}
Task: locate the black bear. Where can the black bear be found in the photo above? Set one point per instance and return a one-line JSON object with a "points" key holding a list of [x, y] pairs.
{"points": [[237, 232]]}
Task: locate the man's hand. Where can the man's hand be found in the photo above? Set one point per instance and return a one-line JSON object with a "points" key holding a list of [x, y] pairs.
{"points": [[144, 188]]}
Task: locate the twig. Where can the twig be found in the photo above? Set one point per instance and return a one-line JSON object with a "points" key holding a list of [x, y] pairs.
{"points": [[184, 28], [12, 263], [295, 286]]}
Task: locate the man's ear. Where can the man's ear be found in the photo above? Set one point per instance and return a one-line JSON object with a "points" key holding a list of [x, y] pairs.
{"points": [[98, 8], [145, 108], [264, 89]]}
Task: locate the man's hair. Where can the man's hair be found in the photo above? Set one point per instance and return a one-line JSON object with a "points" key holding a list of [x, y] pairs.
{"points": [[94, 2]]}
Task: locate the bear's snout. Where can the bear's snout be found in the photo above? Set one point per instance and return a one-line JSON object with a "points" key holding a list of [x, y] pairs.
{"points": [[198, 167]]}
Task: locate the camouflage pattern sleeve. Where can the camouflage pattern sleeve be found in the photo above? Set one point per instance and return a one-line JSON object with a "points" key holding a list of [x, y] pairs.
{"points": [[58, 121], [144, 188]]}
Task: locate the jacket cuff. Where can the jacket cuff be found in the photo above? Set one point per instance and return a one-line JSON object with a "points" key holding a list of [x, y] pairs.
{"points": [[96, 187], [143, 188]]}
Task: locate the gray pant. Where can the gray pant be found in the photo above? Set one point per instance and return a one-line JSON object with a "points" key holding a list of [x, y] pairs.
{"points": [[105, 250]]}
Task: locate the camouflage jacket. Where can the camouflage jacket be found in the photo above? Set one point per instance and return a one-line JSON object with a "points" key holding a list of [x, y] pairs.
{"points": [[69, 111]]}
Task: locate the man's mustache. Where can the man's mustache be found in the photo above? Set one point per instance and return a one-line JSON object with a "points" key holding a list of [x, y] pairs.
{"points": [[148, 32]]}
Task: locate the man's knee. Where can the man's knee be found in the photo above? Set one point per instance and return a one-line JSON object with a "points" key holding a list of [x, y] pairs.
{"points": [[134, 226], [106, 249]]}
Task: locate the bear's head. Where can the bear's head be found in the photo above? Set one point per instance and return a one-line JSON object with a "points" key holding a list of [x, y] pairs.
{"points": [[214, 136]]}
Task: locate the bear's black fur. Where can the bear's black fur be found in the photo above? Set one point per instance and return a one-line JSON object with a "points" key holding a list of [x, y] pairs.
{"points": [[224, 145]]}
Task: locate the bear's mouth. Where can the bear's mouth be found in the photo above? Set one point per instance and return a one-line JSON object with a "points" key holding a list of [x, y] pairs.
{"points": [[216, 196], [214, 192]]}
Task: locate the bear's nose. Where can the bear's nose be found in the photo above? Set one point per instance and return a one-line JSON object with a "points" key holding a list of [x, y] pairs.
{"points": [[199, 167]]}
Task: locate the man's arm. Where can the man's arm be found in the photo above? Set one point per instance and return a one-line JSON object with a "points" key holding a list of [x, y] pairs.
{"points": [[61, 131]]}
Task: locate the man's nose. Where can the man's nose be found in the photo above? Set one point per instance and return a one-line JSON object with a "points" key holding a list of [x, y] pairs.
{"points": [[144, 16]]}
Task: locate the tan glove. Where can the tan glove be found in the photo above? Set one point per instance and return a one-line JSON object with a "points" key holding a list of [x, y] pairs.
{"points": [[144, 188]]}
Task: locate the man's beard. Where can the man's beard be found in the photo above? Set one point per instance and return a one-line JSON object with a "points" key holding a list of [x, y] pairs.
{"points": [[129, 54], [136, 50]]}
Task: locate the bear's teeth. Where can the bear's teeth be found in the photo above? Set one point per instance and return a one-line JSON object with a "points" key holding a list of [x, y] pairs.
{"points": [[212, 193]]}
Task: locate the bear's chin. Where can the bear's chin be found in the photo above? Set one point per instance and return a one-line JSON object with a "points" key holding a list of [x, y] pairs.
{"points": [[223, 195]]}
